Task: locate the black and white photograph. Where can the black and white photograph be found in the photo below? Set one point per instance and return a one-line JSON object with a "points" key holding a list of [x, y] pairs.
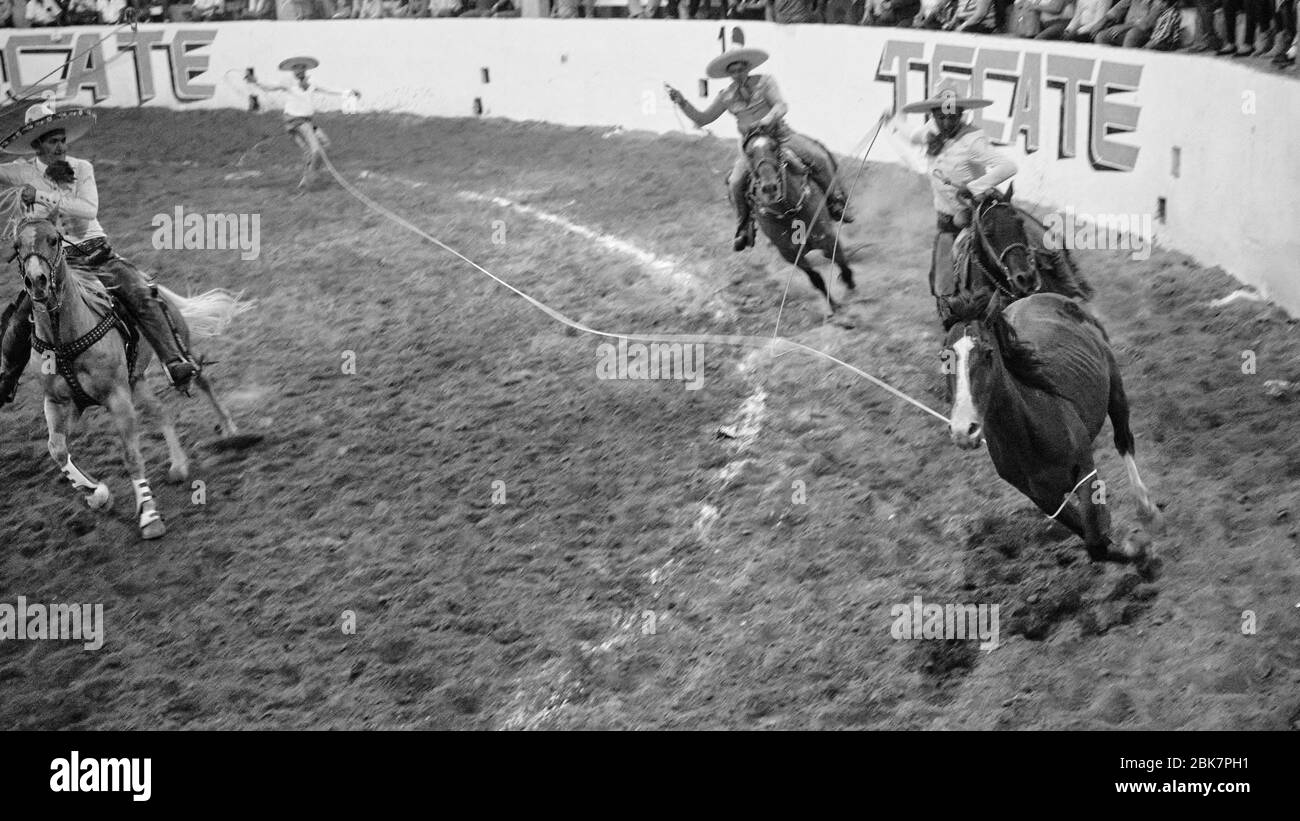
{"points": [[651, 365]]}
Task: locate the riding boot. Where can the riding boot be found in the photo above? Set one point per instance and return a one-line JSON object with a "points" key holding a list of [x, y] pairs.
{"points": [[739, 191], [15, 345], [141, 300]]}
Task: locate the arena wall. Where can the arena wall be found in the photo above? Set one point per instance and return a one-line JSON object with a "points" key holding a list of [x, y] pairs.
{"points": [[1203, 147]]}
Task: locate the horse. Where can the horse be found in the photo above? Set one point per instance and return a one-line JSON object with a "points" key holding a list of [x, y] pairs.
{"points": [[75, 319], [1036, 381], [1002, 263], [790, 208]]}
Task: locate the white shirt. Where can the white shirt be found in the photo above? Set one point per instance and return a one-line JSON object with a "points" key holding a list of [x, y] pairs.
{"points": [[966, 160], [300, 102], [76, 204]]}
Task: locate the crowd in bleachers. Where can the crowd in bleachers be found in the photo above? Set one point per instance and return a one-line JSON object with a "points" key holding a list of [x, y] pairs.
{"points": [[1230, 28]]}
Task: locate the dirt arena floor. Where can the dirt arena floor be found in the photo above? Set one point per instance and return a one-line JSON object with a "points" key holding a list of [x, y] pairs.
{"points": [[645, 570]]}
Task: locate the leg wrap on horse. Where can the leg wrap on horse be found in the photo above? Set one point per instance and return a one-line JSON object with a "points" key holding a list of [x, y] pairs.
{"points": [[15, 344]]}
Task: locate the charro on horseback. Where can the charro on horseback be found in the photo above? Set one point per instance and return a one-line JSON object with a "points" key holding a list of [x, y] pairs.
{"points": [[62, 189], [756, 102]]}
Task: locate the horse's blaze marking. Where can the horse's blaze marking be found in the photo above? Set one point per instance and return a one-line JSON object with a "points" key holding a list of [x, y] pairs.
{"points": [[963, 406]]}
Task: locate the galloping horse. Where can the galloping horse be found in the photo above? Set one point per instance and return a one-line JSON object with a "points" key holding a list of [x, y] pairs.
{"points": [[790, 207], [1036, 381], [95, 361], [1001, 264]]}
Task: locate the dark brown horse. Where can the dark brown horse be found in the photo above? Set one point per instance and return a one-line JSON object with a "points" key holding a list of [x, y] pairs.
{"points": [[1036, 382], [1006, 260], [791, 210]]}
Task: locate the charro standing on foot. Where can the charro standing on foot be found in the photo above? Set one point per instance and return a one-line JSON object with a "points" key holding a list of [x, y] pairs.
{"points": [[756, 102], [300, 109], [62, 188], [964, 170]]}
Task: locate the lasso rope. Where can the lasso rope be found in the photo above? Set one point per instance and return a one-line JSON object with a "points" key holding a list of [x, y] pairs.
{"points": [[723, 339], [15, 103]]}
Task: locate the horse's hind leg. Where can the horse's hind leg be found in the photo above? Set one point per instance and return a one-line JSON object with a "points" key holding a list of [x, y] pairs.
{"points": [[1117, 409], [228, 427], [147, 400], [124, 418], [58, 421]]}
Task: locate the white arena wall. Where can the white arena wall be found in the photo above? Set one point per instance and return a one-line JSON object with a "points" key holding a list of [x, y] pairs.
{"points": [[1112, 131]]}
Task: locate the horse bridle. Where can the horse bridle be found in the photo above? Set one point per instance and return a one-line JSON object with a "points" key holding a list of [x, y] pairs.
{"points": [[781, 165], [998, 259], [54, 300]]}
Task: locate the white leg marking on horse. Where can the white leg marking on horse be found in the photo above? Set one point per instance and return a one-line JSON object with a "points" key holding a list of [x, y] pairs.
{"points": [[1147, 511]]}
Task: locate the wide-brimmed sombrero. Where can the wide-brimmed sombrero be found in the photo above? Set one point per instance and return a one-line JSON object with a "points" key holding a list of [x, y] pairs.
{"points": [[292, 63], [41, 120], [946, 99], [717, 68]]}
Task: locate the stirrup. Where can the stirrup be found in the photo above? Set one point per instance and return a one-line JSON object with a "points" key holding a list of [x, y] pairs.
{"points": [[183, 385]]}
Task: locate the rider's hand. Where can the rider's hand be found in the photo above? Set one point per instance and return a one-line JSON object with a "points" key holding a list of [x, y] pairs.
{"points": [[28, 195], [673, 94]]}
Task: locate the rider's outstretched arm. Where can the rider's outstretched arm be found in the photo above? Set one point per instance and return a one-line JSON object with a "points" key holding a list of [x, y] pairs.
{"points": [[702, 118]]}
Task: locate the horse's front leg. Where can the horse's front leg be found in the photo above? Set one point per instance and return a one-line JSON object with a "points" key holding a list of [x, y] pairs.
{"points": [[58, 420], [124, 418], [820, 284]]}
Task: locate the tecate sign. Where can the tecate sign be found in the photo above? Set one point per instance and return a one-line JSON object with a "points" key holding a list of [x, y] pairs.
{"points": [[1029, 73]]}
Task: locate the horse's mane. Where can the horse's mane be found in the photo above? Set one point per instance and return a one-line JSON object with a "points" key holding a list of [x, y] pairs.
{"points": [[1062, 276], [1020, 358], [93, 290]]}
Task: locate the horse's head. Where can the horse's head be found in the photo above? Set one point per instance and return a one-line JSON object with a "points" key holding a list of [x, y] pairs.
{"points": [[1004, 247], [767, 166], [38, 247], [984, 354]]}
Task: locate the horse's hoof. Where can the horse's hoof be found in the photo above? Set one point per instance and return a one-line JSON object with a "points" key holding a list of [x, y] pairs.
{"points": [[101, 499], [1153, 519], [154, 530], [178, 474], [1136, 545]]}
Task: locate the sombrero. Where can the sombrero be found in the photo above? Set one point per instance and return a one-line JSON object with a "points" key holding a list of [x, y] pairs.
{"points": [[945, 97], [41, 119], [717, 68], [292, 63]]}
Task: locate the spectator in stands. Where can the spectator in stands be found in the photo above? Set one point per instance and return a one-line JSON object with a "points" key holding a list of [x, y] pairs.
{"points": [[1088, 19], [791, 11], [574, 8], [1167, 34], [1207, 39], [743, 10], [1129, 23], [978, 16], [1284, 21], [42, 12], [836, 12], [207, 9], [935, 14], [900, 13], [1041, 19], [1251, 10]]}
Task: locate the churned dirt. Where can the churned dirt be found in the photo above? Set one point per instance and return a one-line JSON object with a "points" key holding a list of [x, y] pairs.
{"points": [[644, 570]]}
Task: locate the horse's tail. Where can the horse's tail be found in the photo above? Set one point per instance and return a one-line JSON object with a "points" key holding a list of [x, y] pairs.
{"points": [[208, 313]]}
